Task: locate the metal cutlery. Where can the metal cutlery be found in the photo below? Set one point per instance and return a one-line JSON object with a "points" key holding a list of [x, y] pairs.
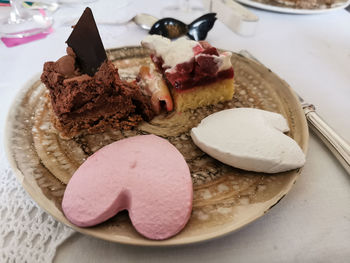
{"points": [[335, 143], [167, 27]]}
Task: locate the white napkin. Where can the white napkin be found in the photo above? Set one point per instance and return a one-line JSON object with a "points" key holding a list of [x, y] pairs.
{"points": [[27, 233]]}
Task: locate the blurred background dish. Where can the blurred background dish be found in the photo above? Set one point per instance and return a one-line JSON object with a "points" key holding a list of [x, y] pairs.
{"points": [[298, 6]]}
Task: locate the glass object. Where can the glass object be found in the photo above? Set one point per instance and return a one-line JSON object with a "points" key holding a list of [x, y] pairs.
{"points": [[24, 22], [186, 11]]}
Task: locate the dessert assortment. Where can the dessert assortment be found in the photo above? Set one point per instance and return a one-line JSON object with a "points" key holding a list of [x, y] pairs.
{"points": [[87, 105], [224, 198]]}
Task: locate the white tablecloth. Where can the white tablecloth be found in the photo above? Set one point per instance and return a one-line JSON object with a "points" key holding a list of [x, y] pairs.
{"points": [[312, 53]]}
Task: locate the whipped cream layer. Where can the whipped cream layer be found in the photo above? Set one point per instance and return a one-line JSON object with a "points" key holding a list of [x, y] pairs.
{"points": [[182, 50], [249, 139], [172, 52]]}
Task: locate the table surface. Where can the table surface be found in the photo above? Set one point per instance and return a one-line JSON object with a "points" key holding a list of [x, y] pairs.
{"points": [[310, 52]]}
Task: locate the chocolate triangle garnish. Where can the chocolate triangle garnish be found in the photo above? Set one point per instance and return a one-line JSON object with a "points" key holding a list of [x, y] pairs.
{"points": [[87, 44]]}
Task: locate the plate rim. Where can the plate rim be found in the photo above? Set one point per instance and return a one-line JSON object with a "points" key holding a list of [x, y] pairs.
{"points": [[59, 216], [290, 10]]}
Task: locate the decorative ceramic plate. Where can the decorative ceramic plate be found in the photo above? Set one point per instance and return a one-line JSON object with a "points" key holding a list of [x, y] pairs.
{"points": [[225, 198], [282, 6]]}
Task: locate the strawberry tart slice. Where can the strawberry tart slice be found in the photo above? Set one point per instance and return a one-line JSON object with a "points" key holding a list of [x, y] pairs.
{"points": [[196, 73]]}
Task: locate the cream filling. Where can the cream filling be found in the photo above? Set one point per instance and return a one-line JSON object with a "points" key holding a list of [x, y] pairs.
{"points": [[180, 51], [172, 52]]}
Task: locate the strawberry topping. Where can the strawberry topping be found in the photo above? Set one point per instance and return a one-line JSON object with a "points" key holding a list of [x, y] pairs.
{"points": [[202, 69]]}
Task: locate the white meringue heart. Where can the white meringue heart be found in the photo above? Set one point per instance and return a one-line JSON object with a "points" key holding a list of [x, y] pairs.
{"points": [[249, 139]]}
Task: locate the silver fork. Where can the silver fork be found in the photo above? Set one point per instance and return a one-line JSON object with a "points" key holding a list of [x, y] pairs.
{"points": [[335, 143]]}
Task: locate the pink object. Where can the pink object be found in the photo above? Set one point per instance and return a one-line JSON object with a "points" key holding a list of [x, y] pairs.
{"points": [[12, 42], [145, 175]]}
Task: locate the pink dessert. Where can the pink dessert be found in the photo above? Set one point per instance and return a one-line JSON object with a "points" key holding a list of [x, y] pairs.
{"points": [[145, 175]]}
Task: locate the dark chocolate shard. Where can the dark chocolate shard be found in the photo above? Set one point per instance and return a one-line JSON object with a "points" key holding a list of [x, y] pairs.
{"points": [[87, 44]]}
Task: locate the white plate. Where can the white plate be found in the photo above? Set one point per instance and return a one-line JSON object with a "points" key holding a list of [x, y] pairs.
{"points": [[290, 10]]}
